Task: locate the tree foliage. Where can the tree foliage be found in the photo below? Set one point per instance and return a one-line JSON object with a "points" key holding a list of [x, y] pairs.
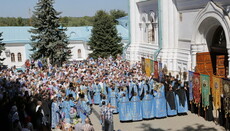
{"points": [[104, 40], [65, 21], [116, 14], [49, 39], [2, 46]]}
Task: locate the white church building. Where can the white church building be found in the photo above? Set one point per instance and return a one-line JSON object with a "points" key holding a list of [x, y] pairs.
{"points": [[182, 34], [17, 42]]}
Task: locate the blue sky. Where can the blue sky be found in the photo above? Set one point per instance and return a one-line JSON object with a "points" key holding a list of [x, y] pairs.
{"points": [[75, 8]]}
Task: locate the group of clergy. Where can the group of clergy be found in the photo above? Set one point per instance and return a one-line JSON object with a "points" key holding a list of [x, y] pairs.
{"points": [[76, 86], [136, 100]]}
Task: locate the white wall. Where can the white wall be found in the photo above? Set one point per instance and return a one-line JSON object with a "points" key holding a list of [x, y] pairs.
{"points": [[14, 48], [78, 45]]}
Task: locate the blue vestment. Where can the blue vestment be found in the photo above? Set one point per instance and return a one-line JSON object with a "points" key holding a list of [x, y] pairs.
{"points": [[113, 101], [160, 103], [124, 109], [83, 110], [136, 108], [172, 112], [147, 106], [65, 111], [180, 107], [55, 115], [97, 91]]}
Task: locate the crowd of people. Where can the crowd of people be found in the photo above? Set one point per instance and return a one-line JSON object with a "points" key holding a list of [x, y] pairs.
{"points": [[61, 98]]}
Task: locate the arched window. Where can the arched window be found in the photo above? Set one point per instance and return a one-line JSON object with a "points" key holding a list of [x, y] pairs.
{"points": [[79, 53], [151, 30], [12, 57], [19, 57]]}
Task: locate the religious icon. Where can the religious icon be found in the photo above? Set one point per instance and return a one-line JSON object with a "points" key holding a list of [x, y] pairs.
{"points": [[216, 85], [197, 82], [204, 83], [226, 88]]}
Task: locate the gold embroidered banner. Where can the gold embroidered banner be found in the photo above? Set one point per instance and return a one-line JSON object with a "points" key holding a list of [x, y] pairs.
{"points": [[147, 67], [216, 92]]}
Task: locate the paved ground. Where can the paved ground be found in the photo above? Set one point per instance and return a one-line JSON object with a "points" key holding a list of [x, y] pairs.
{"points": [[190, 122]]}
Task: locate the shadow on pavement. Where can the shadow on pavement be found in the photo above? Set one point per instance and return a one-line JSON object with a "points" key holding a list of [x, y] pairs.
{"points": [[195, 127], [147, 127], [199, 127]]}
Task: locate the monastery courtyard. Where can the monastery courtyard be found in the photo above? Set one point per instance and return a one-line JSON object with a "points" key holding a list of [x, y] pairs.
{"points": [[190, 122]]}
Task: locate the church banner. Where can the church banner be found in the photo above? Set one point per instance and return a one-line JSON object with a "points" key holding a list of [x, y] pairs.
{"points": [[190, 85], [143, 64], [205, 86], [196, 88], [156, 74], [216, 92], [226, 91], [151, 66], [160, 71], [147, 67]]}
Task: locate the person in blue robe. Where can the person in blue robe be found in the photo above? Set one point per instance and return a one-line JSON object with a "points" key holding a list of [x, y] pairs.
{"points": [[147, 106], [136, 108], [160, 101], [113, 100], [55, 119], [134, 88], [82, 108], [124, 109], [181, 99], [88, 96], [65, 109], [97, 93], [171, 100]]}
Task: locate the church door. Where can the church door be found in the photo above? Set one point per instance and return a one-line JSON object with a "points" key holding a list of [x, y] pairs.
{"points": [[204, 63], [220, 66]]}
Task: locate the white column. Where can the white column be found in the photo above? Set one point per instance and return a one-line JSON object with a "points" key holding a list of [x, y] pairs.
{"points": [[228, 62], [194, 51]]}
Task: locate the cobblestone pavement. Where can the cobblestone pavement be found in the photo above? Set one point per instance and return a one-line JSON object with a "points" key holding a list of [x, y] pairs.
{"points": [[190, 122]]}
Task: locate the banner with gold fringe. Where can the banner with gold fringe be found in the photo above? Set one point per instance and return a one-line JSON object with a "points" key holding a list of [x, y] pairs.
{"points": [[156, 73], [216, 91], [147, 67], [190, 85], [151, 66], [196, 88], [143, 64], [205, 88], [226, 92]]}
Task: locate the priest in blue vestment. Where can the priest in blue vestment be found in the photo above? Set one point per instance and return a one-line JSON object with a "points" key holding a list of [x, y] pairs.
{"points": [[97, 93], [113, 100], [124, 109], [65, 109], [82, 108], [171, 100], [136, 108], [181, 99], [147, 106], [55, 113], [160, 101]]}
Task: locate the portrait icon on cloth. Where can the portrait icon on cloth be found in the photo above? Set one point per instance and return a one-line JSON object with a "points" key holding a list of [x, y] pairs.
{"points": [[226, 88], [204, 83], [197, 82], [216, 85]]}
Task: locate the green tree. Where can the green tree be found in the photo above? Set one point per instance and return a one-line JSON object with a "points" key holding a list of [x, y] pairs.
{"points": [[49, 40], [117, 14], [104, 40], [2, 47]]}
